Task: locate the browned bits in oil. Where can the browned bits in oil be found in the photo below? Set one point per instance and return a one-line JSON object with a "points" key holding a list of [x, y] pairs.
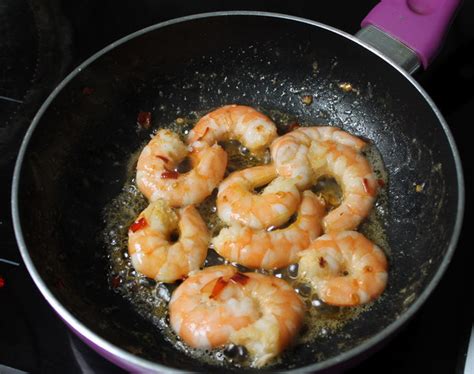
{"points": [[329, 190], [346, 87], [419, 187], [307, 99], [179, 121]]}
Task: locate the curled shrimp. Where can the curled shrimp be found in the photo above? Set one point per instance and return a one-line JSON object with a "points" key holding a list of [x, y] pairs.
{"points": [[219, 305], [354, 175], [237, 203], [289, 152], [157, 177], [344, 268], [273, 249], [251, 128], [150, 247]]}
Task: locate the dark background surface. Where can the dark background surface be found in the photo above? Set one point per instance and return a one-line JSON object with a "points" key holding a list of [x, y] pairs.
{"points": [[42, 41]]}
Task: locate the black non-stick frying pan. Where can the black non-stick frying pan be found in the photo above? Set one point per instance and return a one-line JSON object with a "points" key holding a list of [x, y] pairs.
{"points": [[74, 161]]}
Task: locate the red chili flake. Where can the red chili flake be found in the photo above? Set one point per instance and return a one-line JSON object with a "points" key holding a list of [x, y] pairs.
{"points": [[220, 284], [293, 126], [139, 224], [381, 182], [144, 119], [367, 187], [205, 132], [2, 282], [115, 281], [240, 278], [169, 174], [322, 262], [87, 91], [163, 158]]}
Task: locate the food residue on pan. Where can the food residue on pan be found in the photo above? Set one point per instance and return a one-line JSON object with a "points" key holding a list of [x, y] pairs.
{"points": [[307, 99], [151, 297]]}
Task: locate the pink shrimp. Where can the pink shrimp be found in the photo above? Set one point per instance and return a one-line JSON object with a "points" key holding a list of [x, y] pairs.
{"points": [[151, 251], [237, 203], [345, 268], [290, 151], [354, 175], [158, 179], [219, 305], [273, 249], [250, 127]]}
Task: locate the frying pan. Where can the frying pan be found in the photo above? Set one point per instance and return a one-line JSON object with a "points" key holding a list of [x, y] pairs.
{"points": [[74, 161]]}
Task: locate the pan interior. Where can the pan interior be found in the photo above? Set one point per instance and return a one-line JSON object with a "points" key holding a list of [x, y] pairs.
{"points": [[78, 158]]}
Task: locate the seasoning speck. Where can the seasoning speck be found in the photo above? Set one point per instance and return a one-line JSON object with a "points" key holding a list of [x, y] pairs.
{"points": [[307, 99], [419, 187], [346, 87], [179, 121]]}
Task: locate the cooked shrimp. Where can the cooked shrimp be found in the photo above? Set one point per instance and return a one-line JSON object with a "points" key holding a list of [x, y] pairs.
{"points": [[158, 179], [235, 122], [238, 204], [219, 305], [150, 247], [273, 249], [344, 268], [289, 152], [354, 175]]}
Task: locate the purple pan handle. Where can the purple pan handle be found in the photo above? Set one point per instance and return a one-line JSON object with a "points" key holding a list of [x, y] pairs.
{"points": [[418, 24]]}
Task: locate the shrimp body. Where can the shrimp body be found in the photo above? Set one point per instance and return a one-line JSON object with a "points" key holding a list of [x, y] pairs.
{"points": [[158, 179], [354, 175], [151, 251], [219, 305], [290, 151], [344, 268], [273, 249], [237, 203], [235, 122]]}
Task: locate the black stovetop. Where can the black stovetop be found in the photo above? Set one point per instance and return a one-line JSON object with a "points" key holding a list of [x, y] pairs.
{"points": [[42, 40]]}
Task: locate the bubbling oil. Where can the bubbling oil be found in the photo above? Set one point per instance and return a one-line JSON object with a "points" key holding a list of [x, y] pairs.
{"points": [[150, 298]]}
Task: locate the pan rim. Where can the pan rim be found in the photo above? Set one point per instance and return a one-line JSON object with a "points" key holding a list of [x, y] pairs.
{"points": [[125, 357]]}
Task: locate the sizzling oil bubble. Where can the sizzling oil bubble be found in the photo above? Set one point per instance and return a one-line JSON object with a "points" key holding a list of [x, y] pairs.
{"points": [[292, 271], [150, 299]]}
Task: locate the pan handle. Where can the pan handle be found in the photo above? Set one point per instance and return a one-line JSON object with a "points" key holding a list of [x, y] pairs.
{"points": [[409, 32]]}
